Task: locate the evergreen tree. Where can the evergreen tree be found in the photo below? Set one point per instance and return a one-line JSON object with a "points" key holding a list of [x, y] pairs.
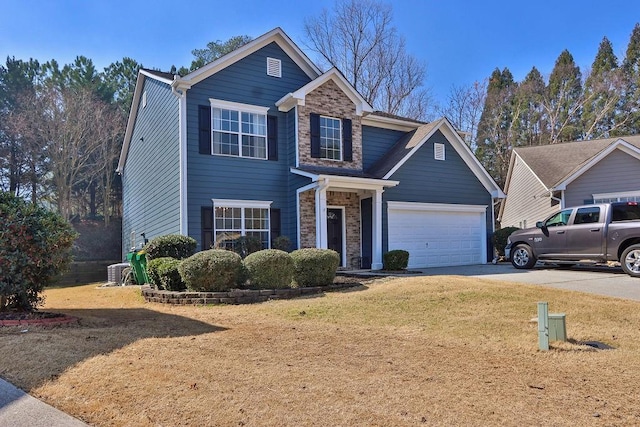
{"points": [[531, 127], [602, 92], [496, 128], [563, 100], [631, 76]]}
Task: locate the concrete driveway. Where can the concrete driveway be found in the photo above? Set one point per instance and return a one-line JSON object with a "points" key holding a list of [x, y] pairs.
{"points": [[608, 281]]}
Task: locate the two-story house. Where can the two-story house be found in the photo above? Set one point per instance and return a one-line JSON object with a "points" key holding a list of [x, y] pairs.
{"points": [[262, 143]]}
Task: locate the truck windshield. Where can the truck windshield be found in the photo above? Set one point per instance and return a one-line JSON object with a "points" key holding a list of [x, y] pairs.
{"points": [[625, 211]]}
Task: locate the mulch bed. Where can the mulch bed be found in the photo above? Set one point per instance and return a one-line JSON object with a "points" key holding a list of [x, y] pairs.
{"points": [[35, 318]]}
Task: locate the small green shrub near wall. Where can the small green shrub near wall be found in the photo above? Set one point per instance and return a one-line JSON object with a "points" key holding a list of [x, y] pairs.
{"points": [[499, 238], [396, 259], [163, 272], [314, 267], [212, 270], [172, 245], [269, 269]]}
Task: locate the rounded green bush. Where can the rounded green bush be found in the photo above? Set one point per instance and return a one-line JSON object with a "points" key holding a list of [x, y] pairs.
{"points": [[314, 267], [163, 272], [171, 245], [35, 246], [395, 260], [269, 269], [211, 270], [499, 238]]}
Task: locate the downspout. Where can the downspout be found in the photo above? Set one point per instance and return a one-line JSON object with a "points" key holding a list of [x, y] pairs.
{"points": [[182, 143], [561, 200]]}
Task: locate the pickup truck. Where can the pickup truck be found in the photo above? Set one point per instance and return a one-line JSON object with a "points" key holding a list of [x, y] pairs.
{"points": [[589, 234]]}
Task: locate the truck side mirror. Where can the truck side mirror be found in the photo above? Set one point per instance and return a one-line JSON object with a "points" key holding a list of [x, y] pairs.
{"points": [[540, 224]]}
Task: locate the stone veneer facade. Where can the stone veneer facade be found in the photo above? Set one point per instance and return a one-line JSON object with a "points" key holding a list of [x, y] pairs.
{"points": [[351, 204], [329, 100]]}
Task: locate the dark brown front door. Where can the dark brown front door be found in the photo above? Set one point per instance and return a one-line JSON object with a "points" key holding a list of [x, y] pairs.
{"points": [[334, 231]]}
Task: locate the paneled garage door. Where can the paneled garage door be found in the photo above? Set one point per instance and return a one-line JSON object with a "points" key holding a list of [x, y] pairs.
{"points": [[438, 235]]}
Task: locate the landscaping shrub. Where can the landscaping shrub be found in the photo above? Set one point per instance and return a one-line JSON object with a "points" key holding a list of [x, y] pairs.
{"points": [[35, 246], [163, 272], [499, 238], [281, 242], [211, 270], [269, 269], [171, 245], [396, 259], [314, 267], [246, 245]]}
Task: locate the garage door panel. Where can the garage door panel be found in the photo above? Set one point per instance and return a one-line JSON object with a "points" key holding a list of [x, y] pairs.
{"points": [[438, 238]]}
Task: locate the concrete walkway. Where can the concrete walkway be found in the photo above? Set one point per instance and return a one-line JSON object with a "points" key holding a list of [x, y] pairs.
{"points": [[18, 409]]}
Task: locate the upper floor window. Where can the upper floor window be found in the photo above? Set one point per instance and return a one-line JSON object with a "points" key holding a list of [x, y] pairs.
{"points": [[330, 138], [239, 130]]}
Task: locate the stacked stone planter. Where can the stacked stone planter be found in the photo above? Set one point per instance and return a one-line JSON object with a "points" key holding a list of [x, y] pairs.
{"points": [[236, 296]]}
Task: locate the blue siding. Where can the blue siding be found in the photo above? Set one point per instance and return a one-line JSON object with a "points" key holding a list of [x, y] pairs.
{"points": [[225, 177], [376, 142], [426, 180], [151, 176]]}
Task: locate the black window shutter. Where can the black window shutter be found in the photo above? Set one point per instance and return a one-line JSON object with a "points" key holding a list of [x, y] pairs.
{"points": [[347, 140], [314, 125], [272, 137], [275, 223], [204, 125], [206, 213]]}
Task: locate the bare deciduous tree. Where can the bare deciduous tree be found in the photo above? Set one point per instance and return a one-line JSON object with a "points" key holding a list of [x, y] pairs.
{"points": [[358, 38], [464, 108]]}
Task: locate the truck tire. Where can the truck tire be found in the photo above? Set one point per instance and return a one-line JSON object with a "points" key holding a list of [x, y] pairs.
{"points": [[522, 257], [630, 260]]}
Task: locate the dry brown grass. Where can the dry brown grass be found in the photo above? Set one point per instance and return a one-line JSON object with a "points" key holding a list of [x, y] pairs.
{"points": [[411, 351]]}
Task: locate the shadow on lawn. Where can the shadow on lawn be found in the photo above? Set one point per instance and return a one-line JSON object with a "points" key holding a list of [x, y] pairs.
{"points": [[99, 331]]}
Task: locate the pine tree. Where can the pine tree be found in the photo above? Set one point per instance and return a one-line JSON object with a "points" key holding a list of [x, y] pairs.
{"points": [[563, 100], [602, 92], [631, 74], [496, 127], [531, 128]]}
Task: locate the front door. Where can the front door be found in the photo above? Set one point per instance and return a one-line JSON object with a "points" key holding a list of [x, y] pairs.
{"points": [[334, 231]]}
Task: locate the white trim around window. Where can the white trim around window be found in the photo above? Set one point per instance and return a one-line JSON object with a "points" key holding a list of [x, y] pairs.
{"points": [[239, 130], [239, 217], [623, 196]]}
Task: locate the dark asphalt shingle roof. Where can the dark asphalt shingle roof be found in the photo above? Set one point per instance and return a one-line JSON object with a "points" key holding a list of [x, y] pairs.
{"points": [[556, 162]]}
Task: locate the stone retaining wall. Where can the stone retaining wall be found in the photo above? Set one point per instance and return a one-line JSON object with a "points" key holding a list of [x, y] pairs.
{"points": [[236, 296]]}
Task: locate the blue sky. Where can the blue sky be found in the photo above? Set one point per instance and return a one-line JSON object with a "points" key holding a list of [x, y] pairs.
{"points": [[460, 41]]}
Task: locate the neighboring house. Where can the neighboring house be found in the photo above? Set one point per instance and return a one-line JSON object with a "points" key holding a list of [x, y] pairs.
{"points": [[260, 142], [542, 180]]}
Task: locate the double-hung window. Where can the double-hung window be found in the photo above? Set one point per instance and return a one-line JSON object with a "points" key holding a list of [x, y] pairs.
{"points": [[239, 129], [330, 138], [236, 218]]}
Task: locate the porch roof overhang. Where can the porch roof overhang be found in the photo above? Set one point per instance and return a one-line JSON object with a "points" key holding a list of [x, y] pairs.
{"points": [[346, 182]]}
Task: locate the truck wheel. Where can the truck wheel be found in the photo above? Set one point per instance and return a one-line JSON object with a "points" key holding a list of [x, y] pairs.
{"points": [[522, 257], [630, 260]]}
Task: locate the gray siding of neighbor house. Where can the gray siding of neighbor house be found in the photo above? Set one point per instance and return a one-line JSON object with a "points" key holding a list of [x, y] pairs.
{"points": [[151, 176], [528, 199], [227, 177], [376, 142], [426, 180], [616, 173]]}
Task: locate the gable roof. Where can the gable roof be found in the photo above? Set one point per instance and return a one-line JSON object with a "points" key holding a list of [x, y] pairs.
{"points": [[410, 143], [290, 100], [556, 164]]}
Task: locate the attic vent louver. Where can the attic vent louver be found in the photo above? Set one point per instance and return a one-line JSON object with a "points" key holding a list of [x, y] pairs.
{"points": [[438, 151], [274, 67]]}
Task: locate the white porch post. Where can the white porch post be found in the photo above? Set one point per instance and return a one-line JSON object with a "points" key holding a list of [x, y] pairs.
{"points": [[376, 238], [321, 216]]}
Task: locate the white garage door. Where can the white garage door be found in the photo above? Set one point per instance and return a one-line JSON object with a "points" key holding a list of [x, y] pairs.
{"points": [[438, 235]]}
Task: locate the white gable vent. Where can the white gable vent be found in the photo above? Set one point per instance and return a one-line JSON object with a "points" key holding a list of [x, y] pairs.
{"points": [[438, 151], [274, 67]]}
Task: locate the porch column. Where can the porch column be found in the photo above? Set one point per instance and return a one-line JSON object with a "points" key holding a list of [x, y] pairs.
{"points": [[376, 238], [321, 216]]}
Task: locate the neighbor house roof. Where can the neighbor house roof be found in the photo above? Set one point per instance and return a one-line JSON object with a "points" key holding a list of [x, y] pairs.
{"points": [[554, 164]]}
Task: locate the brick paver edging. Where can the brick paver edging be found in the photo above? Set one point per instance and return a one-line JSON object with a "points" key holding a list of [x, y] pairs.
{"points": [[236, 296], [51, 321]]}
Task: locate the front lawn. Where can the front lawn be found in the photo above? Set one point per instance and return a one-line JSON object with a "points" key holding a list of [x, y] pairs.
{"points": [[411, 351]]}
